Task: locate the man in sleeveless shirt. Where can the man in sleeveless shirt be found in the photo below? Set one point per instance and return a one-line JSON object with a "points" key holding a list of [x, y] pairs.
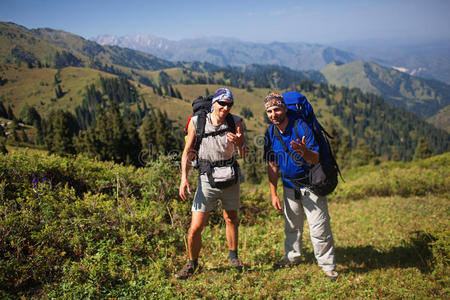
{"points": [[218, 145]]}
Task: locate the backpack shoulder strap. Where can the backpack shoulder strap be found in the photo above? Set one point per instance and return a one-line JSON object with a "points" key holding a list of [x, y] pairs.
{"points": [[278, 136], [199, 130], [296, 128]]}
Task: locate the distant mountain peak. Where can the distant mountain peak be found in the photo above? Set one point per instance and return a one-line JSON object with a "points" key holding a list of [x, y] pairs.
{"points": [[225, 51]]}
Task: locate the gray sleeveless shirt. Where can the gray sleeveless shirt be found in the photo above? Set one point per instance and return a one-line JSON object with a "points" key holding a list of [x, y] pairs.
{"points": [[216, 148]]}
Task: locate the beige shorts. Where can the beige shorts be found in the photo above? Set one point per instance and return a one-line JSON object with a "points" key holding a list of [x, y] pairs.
{"points": [[206, 197]]}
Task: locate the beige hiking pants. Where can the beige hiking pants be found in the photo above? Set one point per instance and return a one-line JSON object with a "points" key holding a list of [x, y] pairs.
{"points": [[316, 210]]}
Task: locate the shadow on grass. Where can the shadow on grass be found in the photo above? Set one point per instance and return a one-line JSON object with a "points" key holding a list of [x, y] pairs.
{"points": [[414, 253], [246, 269]]}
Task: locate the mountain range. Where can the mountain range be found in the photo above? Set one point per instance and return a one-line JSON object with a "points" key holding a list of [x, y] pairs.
{"points": [[233, 52], [425, 97], [405, 76], [427, 60], [47, 46], [59, 49]]}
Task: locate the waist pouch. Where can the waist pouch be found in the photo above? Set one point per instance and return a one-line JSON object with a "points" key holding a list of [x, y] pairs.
{"points": [[221, 174], [321, 180]]}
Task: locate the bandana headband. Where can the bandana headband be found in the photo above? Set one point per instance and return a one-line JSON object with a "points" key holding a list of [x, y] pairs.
{"points": [[273, 100], [221, 94]]}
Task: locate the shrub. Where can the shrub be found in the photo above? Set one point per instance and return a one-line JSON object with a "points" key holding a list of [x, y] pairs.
{"points": [[392, 178], [80, 223]]}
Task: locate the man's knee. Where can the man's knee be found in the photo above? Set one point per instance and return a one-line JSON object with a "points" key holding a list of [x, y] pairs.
{"points": [[321, 231], [198, 222], [231, 217], [195, 229]]}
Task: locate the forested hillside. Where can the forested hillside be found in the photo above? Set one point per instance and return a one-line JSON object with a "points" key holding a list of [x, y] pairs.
{"points": [[422, 96], [90, 143], [68, 95], [355, 118]]}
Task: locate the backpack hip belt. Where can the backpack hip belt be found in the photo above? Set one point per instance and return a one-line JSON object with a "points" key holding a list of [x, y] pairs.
{"points": [[206, 167]]}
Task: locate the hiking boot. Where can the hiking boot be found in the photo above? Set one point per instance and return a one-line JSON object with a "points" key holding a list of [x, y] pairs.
{"points": [[187, 271], [285, 263], [332, 275], [237, 264]]}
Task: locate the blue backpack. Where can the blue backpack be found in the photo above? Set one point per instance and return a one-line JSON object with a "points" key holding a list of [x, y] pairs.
{"points": [[299, 107], [322, 178]]}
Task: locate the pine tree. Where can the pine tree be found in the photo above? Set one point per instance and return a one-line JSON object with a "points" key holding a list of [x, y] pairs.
{"points": [[15, 135], [158, 136], [254, 171], [335, 142], [63, 134], [139, 111], [246, 112], [172, 92], [134, 146], [145, 108], [422, 150], [166, 90], [58, 92], [110, 137], [362, 155], [24, 136], [178, 94], [166, 139], [3, 111], [148, 138], [3, 149], [60, 129], [344, 155], [29, 114], [10, 113], [395, 154], [2, 131], [39, 132]]}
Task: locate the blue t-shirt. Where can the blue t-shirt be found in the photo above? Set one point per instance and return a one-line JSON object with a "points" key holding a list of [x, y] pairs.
{"points": [[274, 150]]}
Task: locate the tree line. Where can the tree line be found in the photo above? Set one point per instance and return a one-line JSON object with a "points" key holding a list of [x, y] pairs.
{"points": [[367, 127], [104, 127]]}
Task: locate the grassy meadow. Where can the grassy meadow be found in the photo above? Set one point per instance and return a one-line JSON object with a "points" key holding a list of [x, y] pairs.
{"points": [[78, 228], [36, 87]]}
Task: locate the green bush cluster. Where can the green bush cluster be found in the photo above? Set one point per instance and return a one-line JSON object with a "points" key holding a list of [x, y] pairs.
{"points": [[419, 178], [78, 228]]}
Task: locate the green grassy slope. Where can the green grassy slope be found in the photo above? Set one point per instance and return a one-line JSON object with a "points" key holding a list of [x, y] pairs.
{"points": [[36, 87], [424, 97], [76, 228], [105, 54], [22, 44], [19, 43], [35, 84]]}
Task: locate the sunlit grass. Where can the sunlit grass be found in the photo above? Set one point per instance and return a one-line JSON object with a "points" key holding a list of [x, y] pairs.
{"points": [[125, 237]]}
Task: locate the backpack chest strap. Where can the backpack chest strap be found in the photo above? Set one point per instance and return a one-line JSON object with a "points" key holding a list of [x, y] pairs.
{"points": [[216, 133]]}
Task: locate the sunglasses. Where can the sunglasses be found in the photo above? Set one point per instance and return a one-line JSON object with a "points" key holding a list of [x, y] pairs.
{"points": [[224, 103]]}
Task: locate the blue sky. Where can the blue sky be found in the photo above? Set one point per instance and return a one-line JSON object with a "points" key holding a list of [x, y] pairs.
{"points": [[313, 21]]}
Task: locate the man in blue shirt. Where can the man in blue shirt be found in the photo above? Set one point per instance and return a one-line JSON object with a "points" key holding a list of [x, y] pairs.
{"points": [[303, 148]]}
